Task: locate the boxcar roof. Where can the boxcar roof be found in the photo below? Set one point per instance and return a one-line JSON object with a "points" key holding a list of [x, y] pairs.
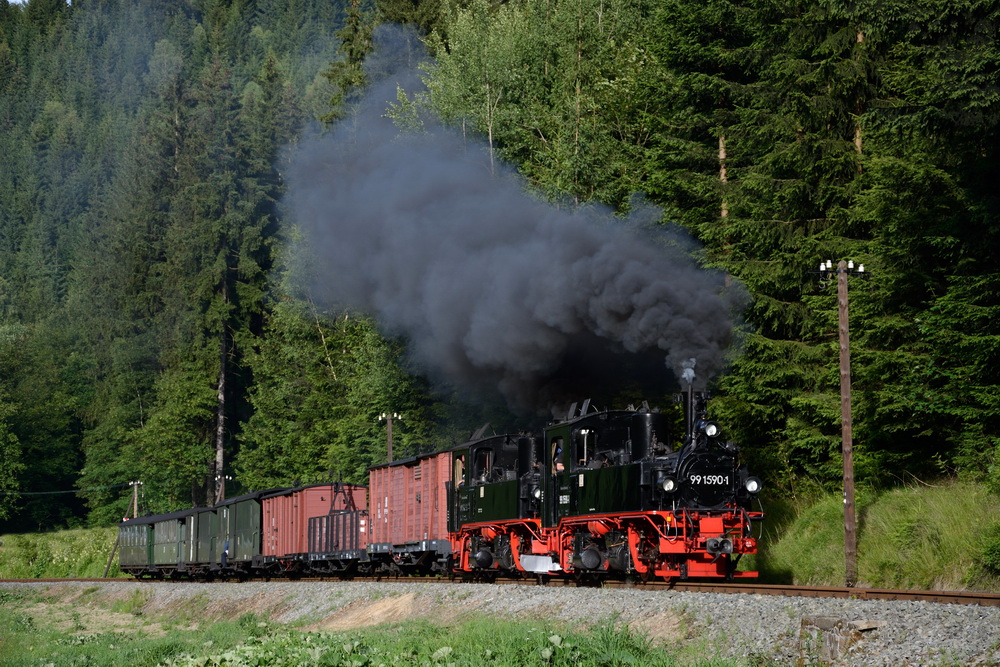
{"points": [[157, 518], [274, 493], [419, 457], [255, 495]]}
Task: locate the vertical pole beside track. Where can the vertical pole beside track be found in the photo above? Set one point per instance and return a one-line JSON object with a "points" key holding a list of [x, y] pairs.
{"points": [[847, 437], [114, 549], [388, 444], [388, 417]]}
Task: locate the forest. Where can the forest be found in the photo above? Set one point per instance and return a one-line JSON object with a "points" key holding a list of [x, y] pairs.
{"points": [[214, 235]]}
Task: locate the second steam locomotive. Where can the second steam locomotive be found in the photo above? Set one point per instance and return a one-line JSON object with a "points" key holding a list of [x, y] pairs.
{"points": [[599, 494]]}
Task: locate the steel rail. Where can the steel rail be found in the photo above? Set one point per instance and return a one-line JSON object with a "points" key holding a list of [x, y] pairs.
{"points": [[742, 588]]}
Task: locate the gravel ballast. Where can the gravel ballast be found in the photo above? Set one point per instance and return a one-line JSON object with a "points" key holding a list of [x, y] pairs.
{"points": [[752, 629]]}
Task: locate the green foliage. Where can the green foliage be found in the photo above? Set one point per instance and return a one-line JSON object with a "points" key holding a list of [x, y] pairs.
{"points": [[11, 465], [321, 384], [141, 317], [22, 647], [134, 604], [347, 75], [927, 537], [991, 549], [60, 554], [138, 218], [473, 642], [551, 87]]}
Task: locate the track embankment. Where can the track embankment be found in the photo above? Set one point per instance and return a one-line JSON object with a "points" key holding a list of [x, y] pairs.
{"points": [[755, 627]]}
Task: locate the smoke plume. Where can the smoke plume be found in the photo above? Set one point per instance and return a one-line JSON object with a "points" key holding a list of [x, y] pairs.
{"points": [[489, 285]]}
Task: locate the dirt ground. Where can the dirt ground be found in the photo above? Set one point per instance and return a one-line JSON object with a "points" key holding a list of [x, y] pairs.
{"points": [[84, 611]]}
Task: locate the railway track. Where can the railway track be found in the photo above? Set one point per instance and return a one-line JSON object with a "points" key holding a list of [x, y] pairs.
{"points": [[939, 597]]}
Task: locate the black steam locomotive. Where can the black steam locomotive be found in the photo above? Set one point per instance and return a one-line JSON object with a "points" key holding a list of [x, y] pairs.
{"points": [[599, 494]]}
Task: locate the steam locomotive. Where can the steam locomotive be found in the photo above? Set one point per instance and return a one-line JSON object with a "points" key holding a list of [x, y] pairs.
{"points": [[598, 494]]}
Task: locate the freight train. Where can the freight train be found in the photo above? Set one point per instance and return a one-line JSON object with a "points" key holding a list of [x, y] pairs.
{"points": [[598, 494]]}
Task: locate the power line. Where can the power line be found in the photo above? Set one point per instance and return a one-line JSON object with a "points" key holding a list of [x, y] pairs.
{"points": [[54, 493]]}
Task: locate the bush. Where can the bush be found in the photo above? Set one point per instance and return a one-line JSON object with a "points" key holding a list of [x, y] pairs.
{"points": [[991, 549]]}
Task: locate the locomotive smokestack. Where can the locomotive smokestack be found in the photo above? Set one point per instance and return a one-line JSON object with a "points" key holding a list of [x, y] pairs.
{"points": [[687, 374], [491, 287]]}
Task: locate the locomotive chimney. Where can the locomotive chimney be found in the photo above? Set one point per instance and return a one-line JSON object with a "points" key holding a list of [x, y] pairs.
{"points": [[688, 376]]}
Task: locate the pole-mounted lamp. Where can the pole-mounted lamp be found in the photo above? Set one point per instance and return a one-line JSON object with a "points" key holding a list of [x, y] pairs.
{"points": [[220, 487]]}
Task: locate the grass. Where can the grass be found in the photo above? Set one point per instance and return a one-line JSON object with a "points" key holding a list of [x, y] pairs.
{"points": [[251, 640], [472, 643], [927, 537], [26, 641], [65, 553], [133, 604], [920, 537]]}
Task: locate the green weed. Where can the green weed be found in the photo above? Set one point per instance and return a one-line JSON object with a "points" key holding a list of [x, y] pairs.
{"points": [[134, 604], [474, 642]]}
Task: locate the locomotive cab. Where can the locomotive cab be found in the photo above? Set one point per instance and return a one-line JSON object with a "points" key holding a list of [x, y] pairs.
{"points": [[600, 461], [496, 492], [497, 478]]}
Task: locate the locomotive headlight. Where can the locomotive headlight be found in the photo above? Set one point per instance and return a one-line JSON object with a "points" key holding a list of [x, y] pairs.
{"points": [[536, 493], [712, 429], [752, 485], [668, 484]]}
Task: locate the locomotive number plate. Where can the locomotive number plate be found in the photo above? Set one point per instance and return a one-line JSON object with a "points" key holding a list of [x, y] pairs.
{"points": [[709, 479]]}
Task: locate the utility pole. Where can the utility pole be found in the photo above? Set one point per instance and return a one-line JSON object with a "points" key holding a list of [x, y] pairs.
{"points": [[220, 487], [845, 268], [387, 417], [135, 497]]}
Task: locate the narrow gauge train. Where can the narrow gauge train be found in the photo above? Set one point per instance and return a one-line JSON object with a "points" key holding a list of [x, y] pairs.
{"points": [[599, 494]]}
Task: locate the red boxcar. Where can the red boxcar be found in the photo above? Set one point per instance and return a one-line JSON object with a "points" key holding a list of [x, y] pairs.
{"points": [[286, 515], [334, 534], [408, 510]]}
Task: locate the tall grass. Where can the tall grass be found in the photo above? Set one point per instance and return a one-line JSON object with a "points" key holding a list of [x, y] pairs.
{"points": [[924, 537], [65, 553]]}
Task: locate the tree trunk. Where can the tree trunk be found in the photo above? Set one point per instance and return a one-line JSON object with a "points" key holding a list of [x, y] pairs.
{"points": [[220, 420], [220, 426], [857, 125], [723, 176]]}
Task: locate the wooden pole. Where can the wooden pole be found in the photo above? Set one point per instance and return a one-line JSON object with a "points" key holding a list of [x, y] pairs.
{"points": [[111, 558], [388, 421], [847, 438]]}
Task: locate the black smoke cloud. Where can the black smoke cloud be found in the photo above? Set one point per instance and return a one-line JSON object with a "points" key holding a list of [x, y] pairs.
{"points": [[490, 286]]}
